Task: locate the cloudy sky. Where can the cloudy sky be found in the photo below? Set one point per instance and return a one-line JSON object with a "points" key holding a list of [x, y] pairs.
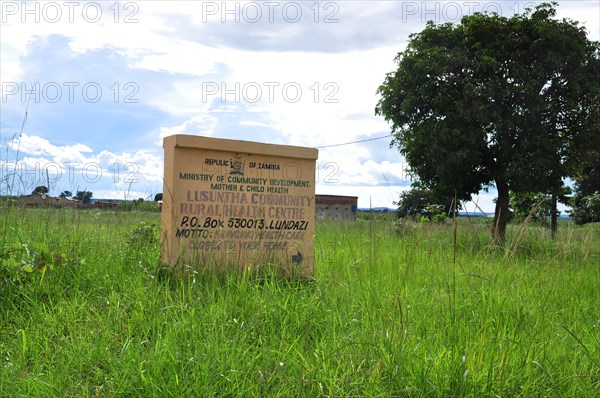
{"points": [[89, 89]]}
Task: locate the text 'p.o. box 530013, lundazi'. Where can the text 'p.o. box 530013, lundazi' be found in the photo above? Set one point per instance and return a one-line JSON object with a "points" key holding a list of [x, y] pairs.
{"points": [[230, 203]]}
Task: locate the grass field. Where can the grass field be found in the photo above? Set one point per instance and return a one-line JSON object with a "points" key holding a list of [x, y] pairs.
{"points": [[395, 311]]}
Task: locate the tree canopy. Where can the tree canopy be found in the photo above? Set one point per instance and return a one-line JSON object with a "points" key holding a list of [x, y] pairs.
{"points": [[84, 196], [42, 189], [510, 102]]}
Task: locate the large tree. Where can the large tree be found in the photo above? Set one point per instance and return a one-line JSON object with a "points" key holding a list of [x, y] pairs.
{"points": [[510, 102]]}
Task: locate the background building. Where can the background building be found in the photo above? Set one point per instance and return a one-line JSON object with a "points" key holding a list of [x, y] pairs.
{"points": [[334, 207]]}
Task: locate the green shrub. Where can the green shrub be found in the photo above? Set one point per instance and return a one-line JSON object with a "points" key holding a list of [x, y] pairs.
{"points": [[24, 262], [144, 234]]}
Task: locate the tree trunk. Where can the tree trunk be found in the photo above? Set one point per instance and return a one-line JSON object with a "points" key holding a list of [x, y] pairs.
{"points": [[554, 214], [501, 213]]}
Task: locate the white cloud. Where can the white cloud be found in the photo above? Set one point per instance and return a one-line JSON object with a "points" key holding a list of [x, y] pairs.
{"points": [[197, 125], [253, 123], [35, 145], [368, 196]]}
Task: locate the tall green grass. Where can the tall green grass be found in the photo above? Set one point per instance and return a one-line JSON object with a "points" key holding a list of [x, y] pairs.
{"points": [[395, 310]]}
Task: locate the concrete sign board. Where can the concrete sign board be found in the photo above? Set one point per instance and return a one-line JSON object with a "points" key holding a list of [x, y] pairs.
{"points": [[230, 203]]}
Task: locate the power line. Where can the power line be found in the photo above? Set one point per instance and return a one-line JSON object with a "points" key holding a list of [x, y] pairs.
{"points": [[354, 142]]}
